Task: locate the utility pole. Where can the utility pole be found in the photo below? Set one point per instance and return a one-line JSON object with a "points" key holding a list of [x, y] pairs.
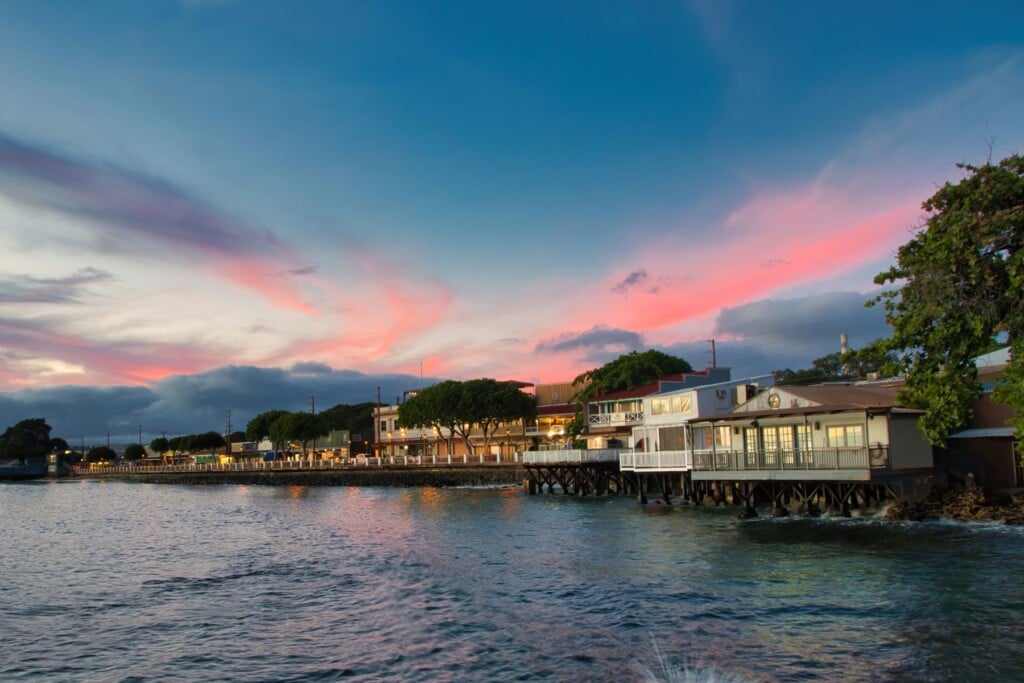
{"points": [[227, 441], [714, 356], [376, 427], [312, 410]]}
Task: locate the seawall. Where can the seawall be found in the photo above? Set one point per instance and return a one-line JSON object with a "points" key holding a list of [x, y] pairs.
{"points": [[490, 475]]}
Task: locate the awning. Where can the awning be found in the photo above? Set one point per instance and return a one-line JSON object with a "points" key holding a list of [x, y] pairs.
{"points": [[984, 433]]}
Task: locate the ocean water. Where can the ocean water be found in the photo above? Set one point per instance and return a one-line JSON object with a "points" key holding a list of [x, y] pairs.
{"points": [[108, 581]]}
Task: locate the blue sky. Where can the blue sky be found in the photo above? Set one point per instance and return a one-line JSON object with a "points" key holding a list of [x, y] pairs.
{"points": [[197, 190]]}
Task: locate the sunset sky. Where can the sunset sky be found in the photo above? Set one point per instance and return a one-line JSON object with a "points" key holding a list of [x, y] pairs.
{"points": [[209, 205]]}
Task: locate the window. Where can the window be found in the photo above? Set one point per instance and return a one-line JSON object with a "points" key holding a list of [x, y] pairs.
{"points": [[659, 406], [681, 404], [846, 436]]}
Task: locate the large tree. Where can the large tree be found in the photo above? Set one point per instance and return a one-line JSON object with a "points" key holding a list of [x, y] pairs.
{"points": [[835, 367], [27, 439], [628, 371], [455, 408], [134, 452], [960, 285], [258, 427]]}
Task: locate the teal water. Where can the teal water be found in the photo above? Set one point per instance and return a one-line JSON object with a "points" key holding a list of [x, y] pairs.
{"points": [[130, 582]]}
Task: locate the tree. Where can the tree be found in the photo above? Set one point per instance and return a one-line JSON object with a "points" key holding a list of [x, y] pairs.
{"points": [[455, 408], [962, 286], [134, 452], [834, 367], [259, 426], [489, 404], [160, 445], [101, 454], [304, 427], [628, 371], [27, 439], [436, 406], [355, 419]]}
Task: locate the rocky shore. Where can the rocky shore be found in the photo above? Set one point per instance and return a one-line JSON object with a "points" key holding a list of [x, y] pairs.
{"points": [[371, 476], [965, 505]]}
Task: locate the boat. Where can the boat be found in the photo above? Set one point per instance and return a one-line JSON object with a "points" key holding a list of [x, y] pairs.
{"points": [[23, 468]]}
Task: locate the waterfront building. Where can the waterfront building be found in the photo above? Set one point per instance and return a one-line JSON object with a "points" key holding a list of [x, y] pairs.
{"points": [[549, 430], [846, 443], [986, 448], [664, 441], [611, 418]]}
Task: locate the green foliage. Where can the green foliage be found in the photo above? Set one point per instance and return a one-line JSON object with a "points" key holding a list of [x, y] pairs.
{"points": [[259, 426], [1010, 391], [134, 452], [160, 445], [27, 439], [101, 454], [454, 408], [962, 281], [628, 371], [356, 419], [833, 367], [298, 427]]}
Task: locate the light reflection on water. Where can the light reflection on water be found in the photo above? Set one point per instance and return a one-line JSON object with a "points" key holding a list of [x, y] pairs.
{"points": [[103, 581]]}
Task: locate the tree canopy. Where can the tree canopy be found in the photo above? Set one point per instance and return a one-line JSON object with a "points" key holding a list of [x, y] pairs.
{"points": [[134, 452], [27, 439], [454, 408], [960, 285], [101, 454], [834, 367], [628, 371]]}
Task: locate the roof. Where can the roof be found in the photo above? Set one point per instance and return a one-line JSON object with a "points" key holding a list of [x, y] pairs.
{"points": [[861, 396], [556, 409], [982, 433], [718, 385], [997, 358]]}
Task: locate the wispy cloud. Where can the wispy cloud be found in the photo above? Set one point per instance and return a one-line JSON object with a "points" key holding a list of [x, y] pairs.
{"points": [[130, 212], [634, 279], [28, 289], [600, 337]]}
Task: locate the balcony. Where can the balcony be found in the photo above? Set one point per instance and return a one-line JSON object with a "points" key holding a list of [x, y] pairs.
{"points": [[852, 458], [612, 420]]}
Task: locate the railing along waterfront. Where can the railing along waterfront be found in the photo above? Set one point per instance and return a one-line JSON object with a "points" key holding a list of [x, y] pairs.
{"points": [[656, 461], [571, 455], [283, 465], [851, 458]]}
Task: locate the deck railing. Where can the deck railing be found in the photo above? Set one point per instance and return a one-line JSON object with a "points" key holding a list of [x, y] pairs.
{"points": [[850, 458], [615, 419], [571, 455], [656, 461]]}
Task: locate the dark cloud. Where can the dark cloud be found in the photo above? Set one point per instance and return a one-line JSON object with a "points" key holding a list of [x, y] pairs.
{"points": [[311, 368], [187, 404], [119, 203], [634, 279], [597, 337], [307, 270], [793, 332], [27, 289]]}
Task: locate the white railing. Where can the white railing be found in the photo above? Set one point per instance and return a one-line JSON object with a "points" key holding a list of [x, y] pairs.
{"points": [[333, 464], [855, 458], [609, 419], [571, 455], [656, 461]]}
